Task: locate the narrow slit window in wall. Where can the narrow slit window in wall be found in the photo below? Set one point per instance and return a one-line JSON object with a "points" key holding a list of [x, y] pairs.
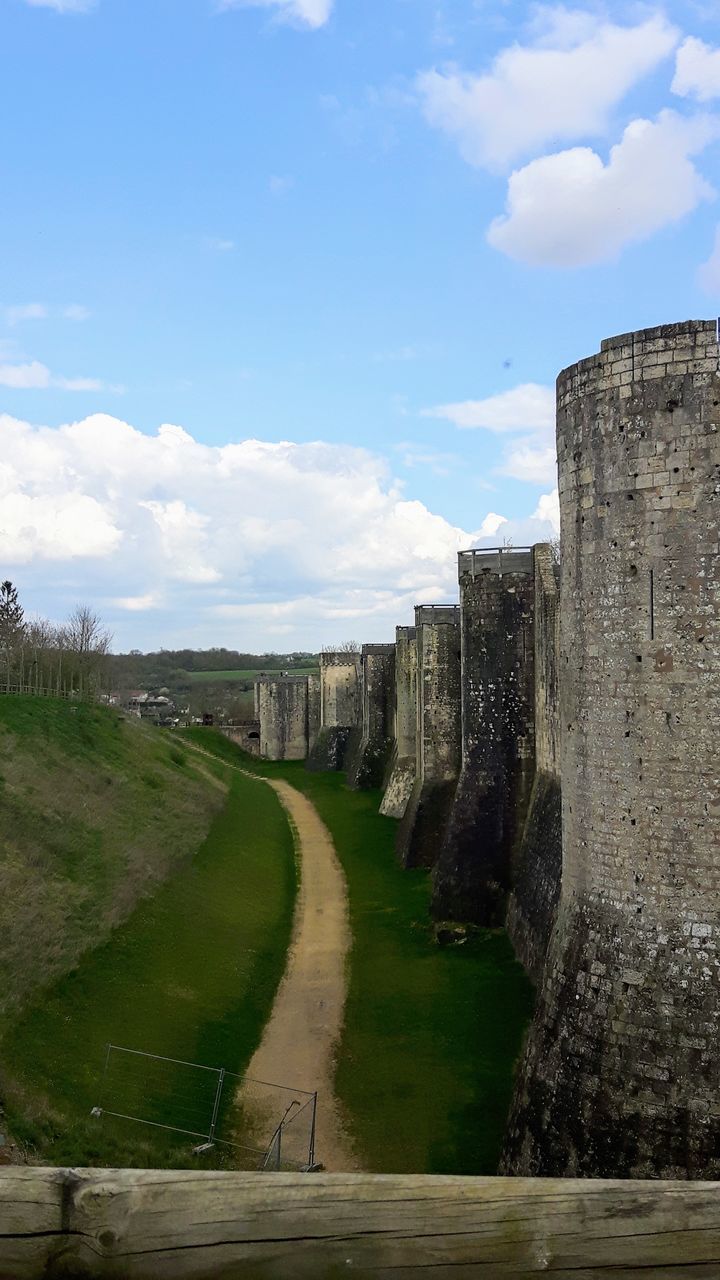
{"points": [[652, 604]]}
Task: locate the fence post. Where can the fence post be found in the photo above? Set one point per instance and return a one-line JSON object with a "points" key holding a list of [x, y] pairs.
{"points": [[216, 1107], [311, 1153]]}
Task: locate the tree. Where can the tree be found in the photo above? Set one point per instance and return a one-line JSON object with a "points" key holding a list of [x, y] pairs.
{"points": [[86, 638], [12, 625]]}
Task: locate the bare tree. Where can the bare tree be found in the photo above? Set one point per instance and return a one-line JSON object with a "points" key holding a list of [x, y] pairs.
{"points": [[89, 643]]}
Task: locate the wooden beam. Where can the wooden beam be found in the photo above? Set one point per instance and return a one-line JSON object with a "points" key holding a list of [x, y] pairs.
{"points": [[158, 1225]]}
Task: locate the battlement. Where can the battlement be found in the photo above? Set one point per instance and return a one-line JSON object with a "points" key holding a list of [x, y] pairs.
{"points": [[500, 560], [437, 615], [381, 650]]}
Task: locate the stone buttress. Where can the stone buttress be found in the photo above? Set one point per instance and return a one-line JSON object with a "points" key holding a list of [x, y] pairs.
{"points": [[437, 762], [475, 869]]}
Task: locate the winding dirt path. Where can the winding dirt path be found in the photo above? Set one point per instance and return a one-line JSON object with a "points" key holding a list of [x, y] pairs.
{"points": [[301, 1036]]}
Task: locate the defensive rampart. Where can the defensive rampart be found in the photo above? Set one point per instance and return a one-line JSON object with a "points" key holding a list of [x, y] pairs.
{"points": [[480, 848], [424, 823], [340, 709], [370, 760], [282, 711], [621, 1073], [536, 879], [404, 760]]}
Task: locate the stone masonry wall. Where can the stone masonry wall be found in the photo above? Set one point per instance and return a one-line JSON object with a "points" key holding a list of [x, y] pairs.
{"points": [[621, 1074], [402, 776], [340, 710], [283, 716], [475, 869], [369, 766], [422, 828], [536, 889]]}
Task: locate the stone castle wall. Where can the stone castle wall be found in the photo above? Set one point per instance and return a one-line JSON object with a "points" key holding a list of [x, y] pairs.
{"points": [[536, 884], [621, 1074], [282, 712], [475, 868], [340, 709], [438, 750], [370, 760], [402, 775]]}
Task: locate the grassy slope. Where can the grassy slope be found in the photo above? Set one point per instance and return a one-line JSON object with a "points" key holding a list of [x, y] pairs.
{"points": [[431, 1035], [94, 813], [191, 973]]}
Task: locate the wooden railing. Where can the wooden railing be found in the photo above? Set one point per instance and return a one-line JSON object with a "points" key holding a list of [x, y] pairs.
{"points": [[159, 1225]]}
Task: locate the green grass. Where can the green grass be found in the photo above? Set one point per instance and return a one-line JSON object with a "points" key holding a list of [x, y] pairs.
{"points": [[228, 677], [95, 812], [431, 1034], [191, 974]]}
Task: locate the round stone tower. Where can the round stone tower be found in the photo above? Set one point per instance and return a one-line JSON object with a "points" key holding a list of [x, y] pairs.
{"points": [[621, 1075]]}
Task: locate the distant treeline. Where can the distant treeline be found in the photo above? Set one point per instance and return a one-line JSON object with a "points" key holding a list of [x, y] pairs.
{"points": [[167, 667]]}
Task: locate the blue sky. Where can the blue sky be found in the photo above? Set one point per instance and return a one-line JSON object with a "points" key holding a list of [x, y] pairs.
{"points": [[372, 231]]}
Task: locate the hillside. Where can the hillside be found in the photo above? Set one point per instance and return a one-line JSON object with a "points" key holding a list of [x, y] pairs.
{"points": [[95, 811]]}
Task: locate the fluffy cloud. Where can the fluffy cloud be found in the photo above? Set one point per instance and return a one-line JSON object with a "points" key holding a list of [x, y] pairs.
{"points": [[233, 544], [527, 406], [697, 71], [309, 13], [35, 376], [562, 86], [528, 409], [571, 209], [531, 462]]}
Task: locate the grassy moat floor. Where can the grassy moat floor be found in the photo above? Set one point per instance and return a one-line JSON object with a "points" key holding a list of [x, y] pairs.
{"points": [[424, 1070], [431, 1034]]}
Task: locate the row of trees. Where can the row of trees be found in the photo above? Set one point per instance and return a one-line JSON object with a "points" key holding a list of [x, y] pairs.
{"points": [[47, 657]]}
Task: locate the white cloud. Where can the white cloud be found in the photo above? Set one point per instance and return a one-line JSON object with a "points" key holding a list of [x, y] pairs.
{"points": [[548, 509], [526, 407], [29, 311], [230, 543], [709, 272], [697, 71], [491, 524], [35, 376], [563, 86], [63, 6], [309, 13], [76, 312], [571, 209], [216, 244], [23, 377], [531, 462], [41, 311]]}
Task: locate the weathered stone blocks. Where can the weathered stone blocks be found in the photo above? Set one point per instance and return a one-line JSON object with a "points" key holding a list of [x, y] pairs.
{"points": [[438, 754], [402, 775], [475, 868], [621, 1073], [370, 760], [282, 712]]}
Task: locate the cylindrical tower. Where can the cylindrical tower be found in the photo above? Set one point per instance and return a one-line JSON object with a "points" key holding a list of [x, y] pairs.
{"points": [[622, 1072]]}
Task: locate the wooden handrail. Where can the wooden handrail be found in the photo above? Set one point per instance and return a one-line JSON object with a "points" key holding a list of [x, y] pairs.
{"points": [[154, 1225]]}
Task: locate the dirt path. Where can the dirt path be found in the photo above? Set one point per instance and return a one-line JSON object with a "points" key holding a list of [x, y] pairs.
{"points": [[302, 1033]]}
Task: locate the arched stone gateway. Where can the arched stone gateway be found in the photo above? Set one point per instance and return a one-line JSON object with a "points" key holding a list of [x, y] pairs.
{"points": [[622, 1070]]}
